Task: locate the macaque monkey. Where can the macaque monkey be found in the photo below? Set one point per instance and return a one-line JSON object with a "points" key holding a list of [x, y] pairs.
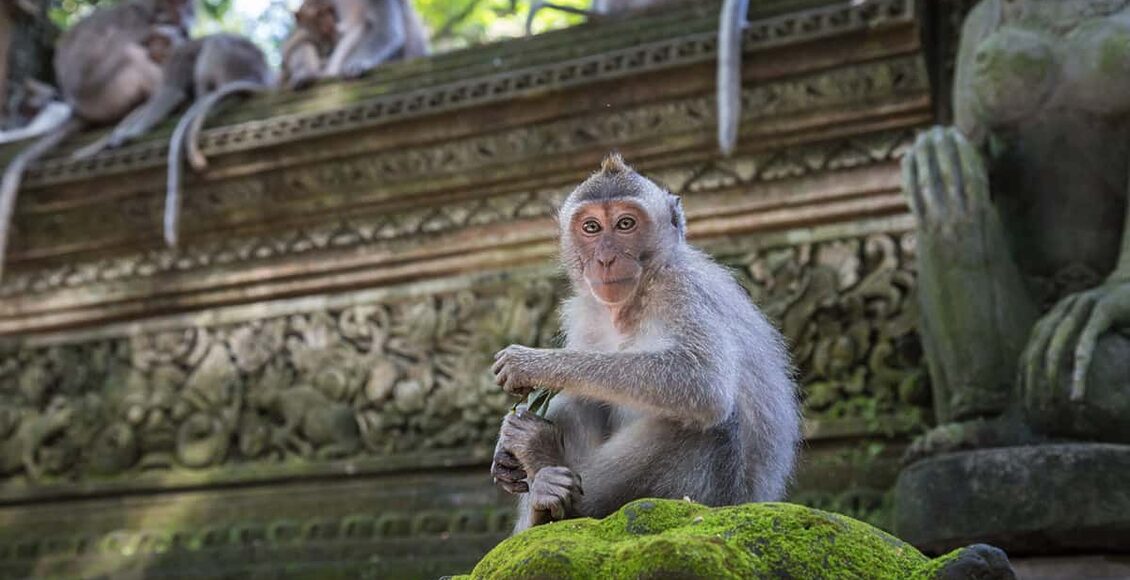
{"points": [[310, 43], [207, 69], [731, 21], [671, 383], [104, 70], [373, 32]]}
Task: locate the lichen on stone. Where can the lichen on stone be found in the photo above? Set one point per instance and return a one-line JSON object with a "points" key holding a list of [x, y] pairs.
{"points": [[661, 538]]}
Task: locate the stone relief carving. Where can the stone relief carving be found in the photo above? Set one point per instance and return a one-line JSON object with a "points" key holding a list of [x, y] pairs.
{"points": [[847, 308], [385, 379], [358, 231]]}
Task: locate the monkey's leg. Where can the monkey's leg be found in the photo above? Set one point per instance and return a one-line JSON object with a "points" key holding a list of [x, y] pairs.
{"points": [[976, 310], [155, 110]]}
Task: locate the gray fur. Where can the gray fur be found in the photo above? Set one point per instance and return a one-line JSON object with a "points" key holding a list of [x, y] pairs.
{"points": [[697, 399]]}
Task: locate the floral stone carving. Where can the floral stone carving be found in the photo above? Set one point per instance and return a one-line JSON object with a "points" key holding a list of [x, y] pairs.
{"points": [[410, 375]]}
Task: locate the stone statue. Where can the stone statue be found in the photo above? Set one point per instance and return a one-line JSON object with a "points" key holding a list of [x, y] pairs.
{"points": [[1024, 251], [1024, 282]]}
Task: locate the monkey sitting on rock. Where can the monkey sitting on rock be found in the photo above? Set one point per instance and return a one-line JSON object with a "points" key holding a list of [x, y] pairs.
{"points": [[672, 383]]}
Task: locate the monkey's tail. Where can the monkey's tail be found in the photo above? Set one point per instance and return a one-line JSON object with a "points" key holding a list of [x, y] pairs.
{"points": [[14, 174], [187, 134], [195, 157], [53, 116], [730, 25]]}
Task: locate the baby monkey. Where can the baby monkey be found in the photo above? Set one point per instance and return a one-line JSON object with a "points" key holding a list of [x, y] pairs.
{"points": [[305, 51], [672, 383]]}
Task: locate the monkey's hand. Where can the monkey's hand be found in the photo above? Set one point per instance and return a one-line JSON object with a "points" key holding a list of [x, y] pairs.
{"points": [[507, 471], [532, 440], [514, 369], [552, 494], [1075, 323]]}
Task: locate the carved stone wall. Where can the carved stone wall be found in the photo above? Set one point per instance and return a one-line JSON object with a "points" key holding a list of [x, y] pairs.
{"points": [[304, 384]]}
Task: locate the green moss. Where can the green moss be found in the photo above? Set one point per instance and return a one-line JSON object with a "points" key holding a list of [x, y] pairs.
{"points": [[654, 538]]}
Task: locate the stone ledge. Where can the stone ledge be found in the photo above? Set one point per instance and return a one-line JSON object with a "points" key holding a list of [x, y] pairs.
{"points": [[1027, 500]]}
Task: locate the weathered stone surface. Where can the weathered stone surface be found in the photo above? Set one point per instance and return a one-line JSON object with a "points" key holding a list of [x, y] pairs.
{"points": [[655, 538], [1027, 500]]}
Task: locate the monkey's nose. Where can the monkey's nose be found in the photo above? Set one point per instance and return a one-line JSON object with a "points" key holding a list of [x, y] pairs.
{"points": [[606, 262]]}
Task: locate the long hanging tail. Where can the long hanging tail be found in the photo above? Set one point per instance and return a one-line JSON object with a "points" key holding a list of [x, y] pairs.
{"points": [[731, 22], [14, 174], [51, 117], [187, 134]]}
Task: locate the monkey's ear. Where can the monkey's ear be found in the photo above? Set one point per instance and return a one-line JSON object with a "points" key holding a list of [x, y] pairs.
{"points": [[678, 219]]}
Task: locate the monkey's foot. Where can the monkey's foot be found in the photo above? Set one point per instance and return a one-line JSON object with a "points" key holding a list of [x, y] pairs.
{"points": [[552, 494], [508, 473], [974, 434]]}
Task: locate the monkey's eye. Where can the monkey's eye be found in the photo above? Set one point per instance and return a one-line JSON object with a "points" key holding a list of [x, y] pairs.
{"points": [[626, 223], [591, 227]]}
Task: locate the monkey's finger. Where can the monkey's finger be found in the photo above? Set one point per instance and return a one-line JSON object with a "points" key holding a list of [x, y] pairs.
{"points": [[497, 366], [501, 377], [1099, 323], [508, 475], [506, 459], [516, 488], [1066, 333]]}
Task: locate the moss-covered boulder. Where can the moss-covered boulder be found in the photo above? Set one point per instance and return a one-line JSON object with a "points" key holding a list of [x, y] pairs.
{"points": [[657, 538]]}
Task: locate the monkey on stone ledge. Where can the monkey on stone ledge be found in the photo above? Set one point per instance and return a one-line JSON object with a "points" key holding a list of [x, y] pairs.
{"points": [[672, 383]]}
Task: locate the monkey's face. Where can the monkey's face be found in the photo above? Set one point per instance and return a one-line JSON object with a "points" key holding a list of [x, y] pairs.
{"points": [[612, 239]]}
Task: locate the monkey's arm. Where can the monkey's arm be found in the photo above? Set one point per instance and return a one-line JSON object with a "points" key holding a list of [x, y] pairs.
{"points": [[684, 383]]}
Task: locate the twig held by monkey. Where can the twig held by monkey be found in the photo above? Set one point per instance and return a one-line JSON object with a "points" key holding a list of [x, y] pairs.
{"points": [[103, 70], [671, 383], [731, 22], [373, 32]]}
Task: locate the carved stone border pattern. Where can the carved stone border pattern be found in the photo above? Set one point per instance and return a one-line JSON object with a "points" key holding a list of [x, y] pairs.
{"points": [[771, 32], [425, 523], [764, 167]]}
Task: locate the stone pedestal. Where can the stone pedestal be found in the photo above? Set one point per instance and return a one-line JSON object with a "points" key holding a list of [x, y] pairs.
{"points": [[1027, 500]]}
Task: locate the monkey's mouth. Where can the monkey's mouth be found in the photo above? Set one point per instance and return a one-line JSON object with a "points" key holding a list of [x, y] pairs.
{"points": [[613, 282]]}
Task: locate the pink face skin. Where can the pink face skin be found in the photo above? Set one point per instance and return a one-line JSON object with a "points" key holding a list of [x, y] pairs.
{"points": [[610, 237]]}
